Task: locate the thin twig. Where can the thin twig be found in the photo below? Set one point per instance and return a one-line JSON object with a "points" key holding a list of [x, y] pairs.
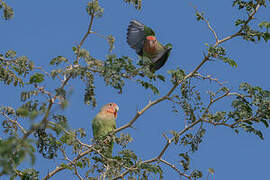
{"points": [[14, 122], [251, 16], [208, 24], [74, 165], [41, 69], [242, 120], [84, 38], [43, 91], [174, 167], [58, 169], [210, 78], [217, 123]]}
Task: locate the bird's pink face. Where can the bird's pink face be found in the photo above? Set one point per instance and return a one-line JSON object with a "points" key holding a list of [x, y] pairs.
{"points": [[152, 41], [112, 108]]}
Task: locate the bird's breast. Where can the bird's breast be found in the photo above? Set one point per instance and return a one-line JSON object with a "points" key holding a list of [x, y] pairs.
{"points": [[149, 49]]}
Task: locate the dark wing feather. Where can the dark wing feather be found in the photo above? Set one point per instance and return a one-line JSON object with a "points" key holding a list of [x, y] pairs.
{"points": [[160, 60], [136, 36]]}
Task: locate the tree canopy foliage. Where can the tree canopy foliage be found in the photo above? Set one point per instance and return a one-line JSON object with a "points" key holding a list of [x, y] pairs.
{"points": [[50, 136]]}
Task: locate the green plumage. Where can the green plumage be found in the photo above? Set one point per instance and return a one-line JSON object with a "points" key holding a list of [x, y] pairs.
{"points": [[148, 31], [102, 125], [144, 41]]}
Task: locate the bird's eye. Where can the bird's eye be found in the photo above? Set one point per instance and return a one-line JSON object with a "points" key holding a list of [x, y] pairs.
{"points": [[110, 104]]}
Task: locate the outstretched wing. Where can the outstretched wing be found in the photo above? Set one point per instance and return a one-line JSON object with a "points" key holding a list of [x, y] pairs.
{"points": [[136, 36], [160, 59]]}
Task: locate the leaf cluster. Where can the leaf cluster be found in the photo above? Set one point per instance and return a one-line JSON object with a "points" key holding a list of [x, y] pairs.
{"points": [[13, 69], [8, 12], [12, 153], [246, 31], [218, 52], [136, 3]]}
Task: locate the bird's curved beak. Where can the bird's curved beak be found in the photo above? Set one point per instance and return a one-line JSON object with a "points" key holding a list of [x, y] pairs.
{"points": [[116, 109]]}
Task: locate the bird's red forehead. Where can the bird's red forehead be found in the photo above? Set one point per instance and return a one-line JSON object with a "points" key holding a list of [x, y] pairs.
{"points": [[151, 38]]}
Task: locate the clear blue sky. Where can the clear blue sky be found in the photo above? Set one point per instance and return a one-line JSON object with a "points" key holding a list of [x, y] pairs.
{"points": [[42, 30]]}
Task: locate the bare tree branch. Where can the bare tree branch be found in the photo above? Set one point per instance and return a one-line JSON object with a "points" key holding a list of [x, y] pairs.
{"points": [[84, 38], [210, 78], [208, 24], [251, 16]]}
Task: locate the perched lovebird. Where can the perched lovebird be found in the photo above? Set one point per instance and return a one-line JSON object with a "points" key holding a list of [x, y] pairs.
{"points": [[143, 40], [103, 123]]}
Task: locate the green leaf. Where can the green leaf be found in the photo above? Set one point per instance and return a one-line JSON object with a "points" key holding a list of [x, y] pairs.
{"points": [[79, 163], [36, 78], [162, 78], [57, 60], [10, 54], [211, 171], [264, 24], [28, 174], [136, 3], [229, 61], [239, 21], [266, 36], [111, 41], [93, 9], [8, 11], [147, 85], [74, 48], [177, 75], [199, 15], [265, 123], [65, 166], [21, 111]]}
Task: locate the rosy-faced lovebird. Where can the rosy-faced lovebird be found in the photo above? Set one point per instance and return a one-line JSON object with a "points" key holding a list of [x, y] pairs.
{"points": [[143, 40], [104, 123]]}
